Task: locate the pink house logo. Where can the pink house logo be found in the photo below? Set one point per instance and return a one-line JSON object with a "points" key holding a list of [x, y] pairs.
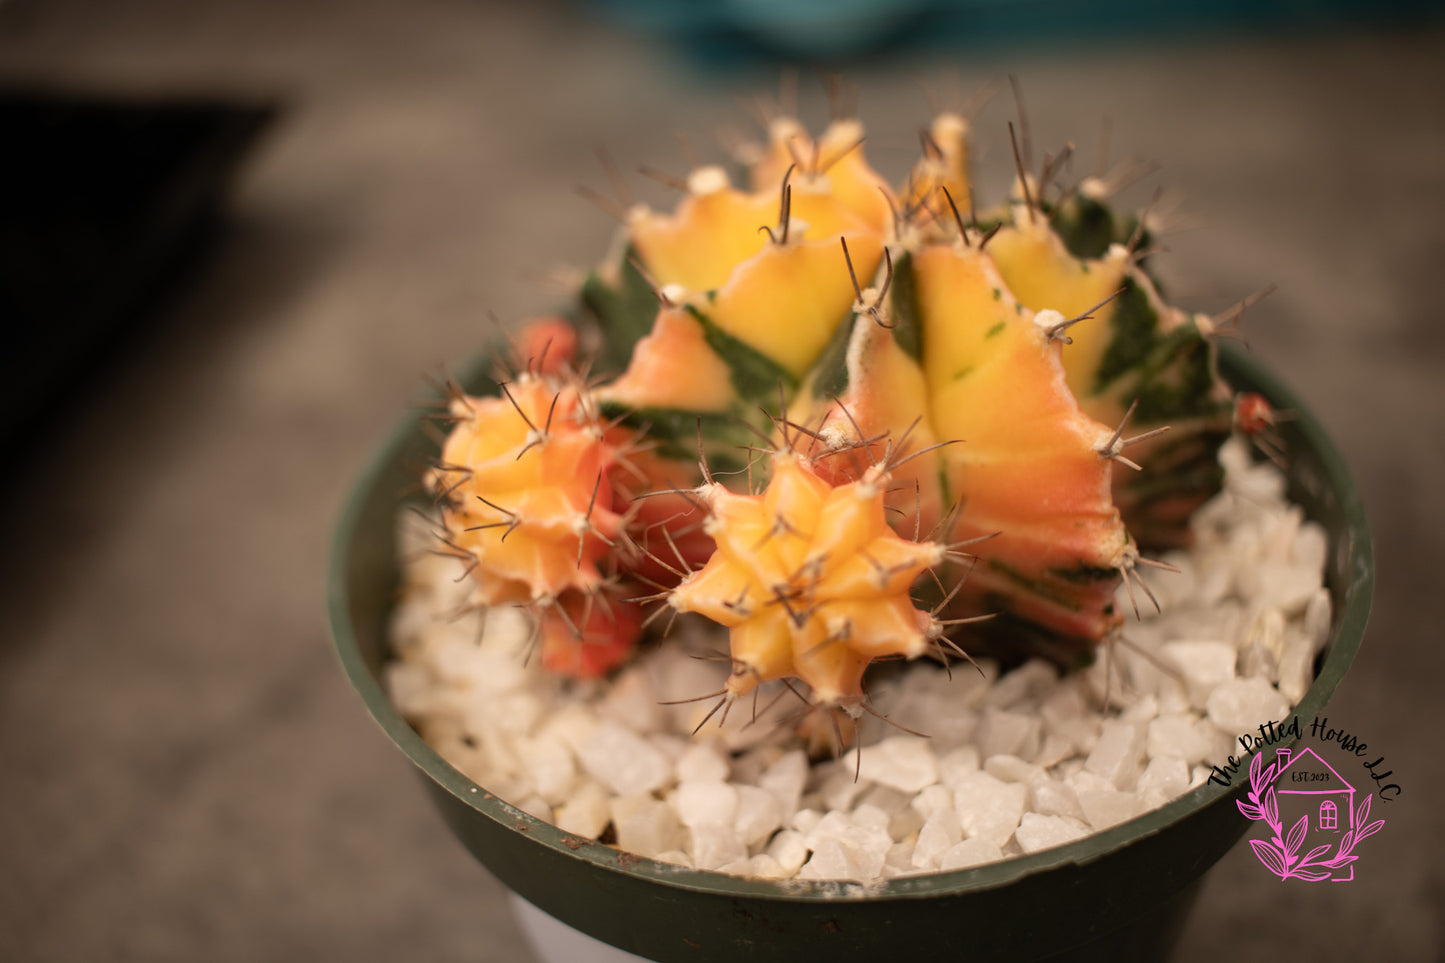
{"points": [[1319, 805]]}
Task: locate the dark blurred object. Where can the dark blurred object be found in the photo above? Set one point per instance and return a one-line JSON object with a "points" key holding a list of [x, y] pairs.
{"points": [[721, 31], [100, 201]]}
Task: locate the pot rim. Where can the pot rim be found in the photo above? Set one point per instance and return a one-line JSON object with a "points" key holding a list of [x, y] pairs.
{"points": [[1346, 634]]}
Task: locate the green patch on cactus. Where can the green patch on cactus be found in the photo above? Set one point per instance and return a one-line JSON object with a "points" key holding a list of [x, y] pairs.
{"points": [[829, 377], [754, 375], [1088, 227], [962, 373], [1175, 382], [1133, 324], [675, 432], [1012, 641], [997, 329], [1084, 574], [1040, 587], [903, 303], [1085, 226], [623, 310]]}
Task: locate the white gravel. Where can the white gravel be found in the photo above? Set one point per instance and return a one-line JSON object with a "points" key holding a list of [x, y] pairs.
{"points": [[1011, 764]]}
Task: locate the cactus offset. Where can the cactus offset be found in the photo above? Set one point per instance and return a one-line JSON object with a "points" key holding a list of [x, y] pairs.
{"points": [[525, 485], [811, 581]]}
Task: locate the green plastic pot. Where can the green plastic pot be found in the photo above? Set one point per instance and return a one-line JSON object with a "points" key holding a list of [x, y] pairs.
{"points": [[1123, 892]]}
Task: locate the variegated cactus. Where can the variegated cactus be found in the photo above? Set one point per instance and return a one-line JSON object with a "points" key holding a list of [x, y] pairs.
{"points": [[916, 380]]}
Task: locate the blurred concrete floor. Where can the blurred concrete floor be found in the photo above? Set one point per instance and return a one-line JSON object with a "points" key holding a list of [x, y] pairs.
{"points": [[186, 774]]}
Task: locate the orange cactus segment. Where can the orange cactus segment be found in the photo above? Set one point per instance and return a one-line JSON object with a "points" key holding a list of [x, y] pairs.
{"points": [[966, 309], [879, 630], [761, 649], [829, 664], [834, 164], [525, 490], [849, 519], [886, 565], [585, 638], [789, 300], [546, 346], [725, 593], [1042, 274], [944, 166], [717, 227], [810, 579], [714, 229], [655, 376], [1029, 465], [885, 399]]}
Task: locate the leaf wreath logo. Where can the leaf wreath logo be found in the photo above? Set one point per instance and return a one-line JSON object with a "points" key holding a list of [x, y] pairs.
{"points": [[1329, 800]]}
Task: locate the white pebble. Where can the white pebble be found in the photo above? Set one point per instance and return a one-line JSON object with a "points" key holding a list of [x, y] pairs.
{"points": [[1038, 832], [631, 701], [1054, 751], [536, 806], [1118, 756], [1179, 736], [934, 798], [906, 763], [871, 817], [1317, 619], [1282, 585], [1296, 667], [806, 820], [1002, 732], [550, 764], [1085, 781], [699, 803], [836, 837], [412, 688], [843, 787], [785, 779], [623, 760], [789, 849], [886, 798], [1010, 768], [646, 826], [586, 811], [1027, 681], [676, 857], [758, 814], [1168, 776], [1142, 711], [956, 762], [764, 866], [988, 808], [1105, 809], [968, 853], [1051, 797], [715, 845], [899, 859], [700, 762], [939, 832], [1242, 705], [835, 860], [1204, 665]]}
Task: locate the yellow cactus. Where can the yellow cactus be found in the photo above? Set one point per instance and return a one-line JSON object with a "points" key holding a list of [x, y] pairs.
{"points": [[811, 581]]}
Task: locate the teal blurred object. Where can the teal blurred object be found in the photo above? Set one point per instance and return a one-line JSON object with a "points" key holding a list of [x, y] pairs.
{"points": [[720, 31]]}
